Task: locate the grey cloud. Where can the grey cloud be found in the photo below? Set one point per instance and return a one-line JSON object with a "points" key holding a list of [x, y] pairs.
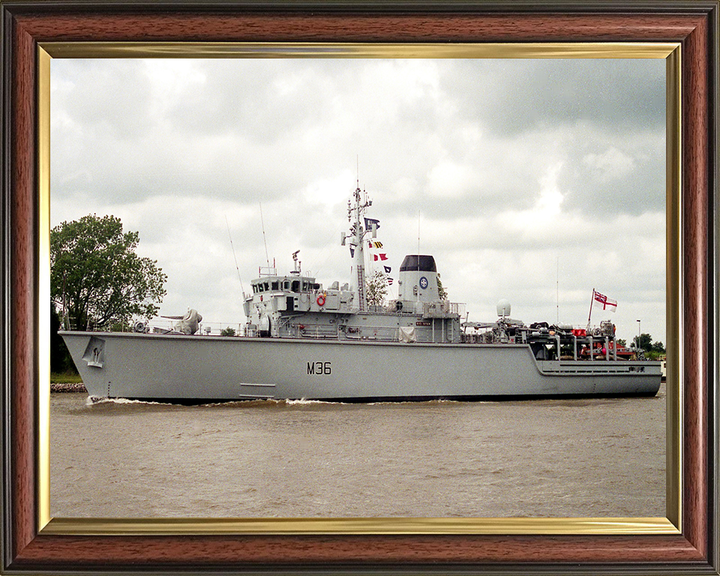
{"points": [[245, 98], [514, 96], [240, 134], [114, 98], [603, 176]]}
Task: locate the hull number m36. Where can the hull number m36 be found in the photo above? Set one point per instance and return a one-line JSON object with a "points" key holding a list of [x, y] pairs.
{"points": [[319, 368]]}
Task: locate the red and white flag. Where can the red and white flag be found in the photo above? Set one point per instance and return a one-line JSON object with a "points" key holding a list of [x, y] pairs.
{"points": [[607, 303]]}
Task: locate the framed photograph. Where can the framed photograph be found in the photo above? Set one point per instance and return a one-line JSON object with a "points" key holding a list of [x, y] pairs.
{"points": [[681, 39]]}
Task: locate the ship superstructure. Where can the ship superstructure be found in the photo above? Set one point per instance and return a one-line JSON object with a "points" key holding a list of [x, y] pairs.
{"points": [[297, 306]]}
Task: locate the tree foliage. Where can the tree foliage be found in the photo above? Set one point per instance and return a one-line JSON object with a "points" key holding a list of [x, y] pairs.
{"points": [[658, 347], [376, 289], [97, 276], [645, 342], [60, 360], [442, 293], [653, 349]]}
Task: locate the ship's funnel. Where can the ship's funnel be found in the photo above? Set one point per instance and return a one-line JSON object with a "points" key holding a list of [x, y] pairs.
{"points": [[418, 279]]}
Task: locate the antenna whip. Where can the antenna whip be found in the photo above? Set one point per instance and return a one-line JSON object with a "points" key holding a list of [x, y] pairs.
{"points": [[262, 222], [234, 257]]}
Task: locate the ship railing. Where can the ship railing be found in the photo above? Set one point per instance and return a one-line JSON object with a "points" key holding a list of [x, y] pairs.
{"points": [[553, 343], [393, 334], [318, 331], [204, 328], [443, 309], [379, 333]]}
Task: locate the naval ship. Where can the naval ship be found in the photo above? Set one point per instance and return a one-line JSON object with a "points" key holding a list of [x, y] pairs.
{"points": [[305, 341]]}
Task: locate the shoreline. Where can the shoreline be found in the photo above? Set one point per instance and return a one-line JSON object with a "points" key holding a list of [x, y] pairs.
{"points": [[64, 387]]}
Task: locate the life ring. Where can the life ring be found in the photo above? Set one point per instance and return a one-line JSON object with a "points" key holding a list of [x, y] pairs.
{"points": [[321, 300]]}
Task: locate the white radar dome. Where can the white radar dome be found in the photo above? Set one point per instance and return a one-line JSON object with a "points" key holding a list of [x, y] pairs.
{"points": [[503, 308]]}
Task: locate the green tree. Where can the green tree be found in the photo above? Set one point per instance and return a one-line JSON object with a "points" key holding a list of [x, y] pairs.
{"points": [[441, 290], [658, 347], [60, 360], [96, 276], [376, 289], [645, 342]]}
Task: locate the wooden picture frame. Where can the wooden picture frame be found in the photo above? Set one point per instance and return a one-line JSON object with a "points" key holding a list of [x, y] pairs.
{"points": [[29, 546]]}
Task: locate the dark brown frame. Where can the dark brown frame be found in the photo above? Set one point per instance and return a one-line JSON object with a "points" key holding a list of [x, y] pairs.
{"points": [[25, 24]]}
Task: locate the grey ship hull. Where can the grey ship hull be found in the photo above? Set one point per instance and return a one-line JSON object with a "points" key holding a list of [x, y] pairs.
{"points": [[198, 369]]}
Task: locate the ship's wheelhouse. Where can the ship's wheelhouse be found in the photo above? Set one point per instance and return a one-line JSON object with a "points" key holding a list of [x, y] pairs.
{"points": [[284, 284]]}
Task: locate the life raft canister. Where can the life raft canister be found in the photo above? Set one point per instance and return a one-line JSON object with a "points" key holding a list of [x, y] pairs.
{"points": [[321, 300]]}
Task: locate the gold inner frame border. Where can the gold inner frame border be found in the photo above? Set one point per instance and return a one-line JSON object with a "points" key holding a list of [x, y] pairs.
{"points": [[671, 524]]}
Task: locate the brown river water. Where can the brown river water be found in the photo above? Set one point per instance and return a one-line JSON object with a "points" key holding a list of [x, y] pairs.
{"points": [[563, 458]]}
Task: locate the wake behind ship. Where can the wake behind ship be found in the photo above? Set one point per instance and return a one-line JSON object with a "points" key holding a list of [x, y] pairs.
{"points": [[304, 341]]}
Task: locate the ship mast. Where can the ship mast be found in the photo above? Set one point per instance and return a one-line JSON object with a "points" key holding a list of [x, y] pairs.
{"points": [[356, 212]]}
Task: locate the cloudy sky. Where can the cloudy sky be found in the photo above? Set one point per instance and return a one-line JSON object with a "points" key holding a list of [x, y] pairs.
{"points": [[530, 180]]}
